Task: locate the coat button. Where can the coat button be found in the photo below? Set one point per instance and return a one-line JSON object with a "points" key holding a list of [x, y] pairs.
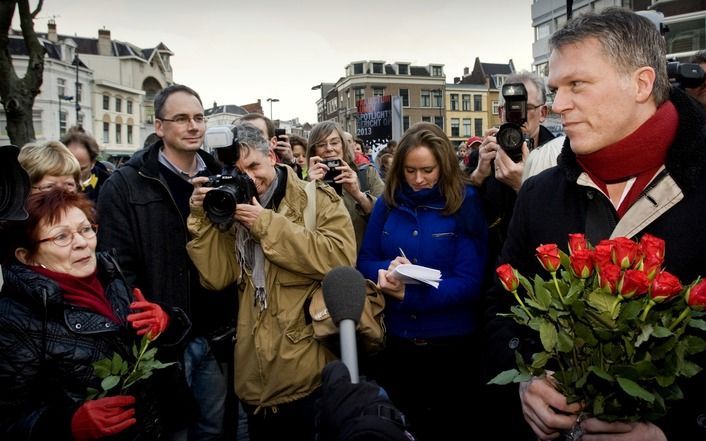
{"points": [[413, 316], [513, 343], [415, 233], [107, 324], [77, 326]]}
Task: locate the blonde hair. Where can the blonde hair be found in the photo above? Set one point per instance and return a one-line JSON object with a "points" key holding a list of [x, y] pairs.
{"points": [[50, 158]]}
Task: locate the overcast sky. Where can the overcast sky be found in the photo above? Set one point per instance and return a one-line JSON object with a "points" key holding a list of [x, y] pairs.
{"points": [[235, 51]]}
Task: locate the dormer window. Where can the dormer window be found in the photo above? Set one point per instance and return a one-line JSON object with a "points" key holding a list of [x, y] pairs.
{"points": [[403, 69], [377, 68], [357, 68], [437, 71]]}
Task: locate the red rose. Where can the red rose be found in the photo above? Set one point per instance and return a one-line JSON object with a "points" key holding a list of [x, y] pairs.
{"points": [[633, 284], [664, 286], [577, 241], [696, 296], [651, 265], [608, 277], [548, 256], [625, 252], [581, 263], [507, 276], [603, 253], [652, 246]]}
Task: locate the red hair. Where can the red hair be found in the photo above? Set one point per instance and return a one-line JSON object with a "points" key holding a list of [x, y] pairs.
{"points": [[49, 207]]}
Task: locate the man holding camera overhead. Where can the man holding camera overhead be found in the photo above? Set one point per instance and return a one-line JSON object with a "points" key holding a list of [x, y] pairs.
{"points": [[277, 263], [143, 208]]}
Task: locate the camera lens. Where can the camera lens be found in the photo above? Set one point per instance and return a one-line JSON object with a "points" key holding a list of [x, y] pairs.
{"points": [[219, 203], [510, 138]]}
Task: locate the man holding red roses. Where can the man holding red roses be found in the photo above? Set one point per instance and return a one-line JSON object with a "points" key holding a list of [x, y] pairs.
{"points": [[634, 163]]}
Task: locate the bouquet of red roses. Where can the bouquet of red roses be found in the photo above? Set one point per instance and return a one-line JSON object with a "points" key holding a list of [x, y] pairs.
{"points": [[618, 331]]}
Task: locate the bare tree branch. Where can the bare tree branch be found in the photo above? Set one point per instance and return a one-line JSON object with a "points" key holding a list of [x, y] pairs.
{"points": [[37, 9]]}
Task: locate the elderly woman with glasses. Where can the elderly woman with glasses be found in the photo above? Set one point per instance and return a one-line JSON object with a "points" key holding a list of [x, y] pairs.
{"points": [[63, 307], [359, 185], [49, 165]]}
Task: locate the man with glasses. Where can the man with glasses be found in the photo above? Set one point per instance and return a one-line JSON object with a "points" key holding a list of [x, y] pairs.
{"points": [[143, 208]]}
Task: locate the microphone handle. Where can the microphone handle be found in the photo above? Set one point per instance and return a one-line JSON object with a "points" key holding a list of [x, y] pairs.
{"points": [[349, 350]]}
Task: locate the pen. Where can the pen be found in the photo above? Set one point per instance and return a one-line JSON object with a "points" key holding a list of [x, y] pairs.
{"points": [[402, 253]]}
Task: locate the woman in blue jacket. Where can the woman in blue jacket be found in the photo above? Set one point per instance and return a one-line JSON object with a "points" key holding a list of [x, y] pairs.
{"points": [[428, 215]]}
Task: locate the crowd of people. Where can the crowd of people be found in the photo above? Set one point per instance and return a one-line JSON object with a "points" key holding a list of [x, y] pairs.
{"points": [[107, 261]]}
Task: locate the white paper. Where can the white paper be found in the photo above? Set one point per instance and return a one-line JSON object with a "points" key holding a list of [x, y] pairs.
{"points": [[409, 273]]}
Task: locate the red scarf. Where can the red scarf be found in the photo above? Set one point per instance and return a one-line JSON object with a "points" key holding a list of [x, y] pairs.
{"points": [[638, 155], [84, 292]]}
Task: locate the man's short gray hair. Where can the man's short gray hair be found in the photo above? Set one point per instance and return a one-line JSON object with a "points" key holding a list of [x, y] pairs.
{"points": [[251, 138]]}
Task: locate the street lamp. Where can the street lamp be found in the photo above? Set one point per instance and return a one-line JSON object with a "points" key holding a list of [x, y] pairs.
{"points": [[62, 98], [272, 100]]}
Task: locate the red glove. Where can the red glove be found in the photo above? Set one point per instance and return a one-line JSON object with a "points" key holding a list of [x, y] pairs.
{"points": [[150, 320], [96, 419]]}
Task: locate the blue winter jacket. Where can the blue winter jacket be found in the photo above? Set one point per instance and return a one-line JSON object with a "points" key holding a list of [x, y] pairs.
{"points": [[454, 244]]}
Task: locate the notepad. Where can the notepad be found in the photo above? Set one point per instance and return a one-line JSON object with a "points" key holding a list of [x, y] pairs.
{"points": [[410, 273]]}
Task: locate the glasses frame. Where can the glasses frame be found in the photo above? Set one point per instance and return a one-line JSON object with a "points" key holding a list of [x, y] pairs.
{"points": [[71, 186], [53, 239], [187, 121], [332, 143]]}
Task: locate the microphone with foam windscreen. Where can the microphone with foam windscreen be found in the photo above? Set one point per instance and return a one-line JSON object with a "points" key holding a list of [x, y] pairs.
{"points": [[344, 294]]}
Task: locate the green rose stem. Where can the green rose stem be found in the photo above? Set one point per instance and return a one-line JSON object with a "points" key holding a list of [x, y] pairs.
{"points": [[684, 314], [522, 304], [647, 310], [143, 349], [556, 285]]}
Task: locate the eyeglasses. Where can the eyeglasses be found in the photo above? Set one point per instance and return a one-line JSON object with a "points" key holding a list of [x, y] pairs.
{"points": [[531, 107], [183, 120], [335, 142], [70, 186], [66, 236]]}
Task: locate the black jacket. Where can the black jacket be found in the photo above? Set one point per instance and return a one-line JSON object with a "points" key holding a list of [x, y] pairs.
{"points": [[140, 218], [47, 349], [553, 204]]}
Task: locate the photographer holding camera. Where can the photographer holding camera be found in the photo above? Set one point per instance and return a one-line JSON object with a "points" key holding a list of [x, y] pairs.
{"points": [[143, 208], [277, 263], [331, 161], [496, 173]]}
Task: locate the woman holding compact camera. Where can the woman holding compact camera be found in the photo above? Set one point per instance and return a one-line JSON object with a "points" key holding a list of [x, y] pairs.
{"points": [[332, 162]]}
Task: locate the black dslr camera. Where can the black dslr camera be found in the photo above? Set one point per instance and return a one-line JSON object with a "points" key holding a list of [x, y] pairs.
{"points": [[219, 203], [510, 136], [685, 75]]}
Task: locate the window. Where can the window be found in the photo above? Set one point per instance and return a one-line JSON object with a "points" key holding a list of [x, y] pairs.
{"points": [[106, 102], [454, 101], [478, 103], [62, 122], [500, 79], [359, 94], [478, 126], [436, 94], [425, 99], [79, 92], [118, 133], [377, 68], [495, 105], [426, 119], [61, 87], [403, 69], [439, 121], [404, 93], [378, 91], [118, 104], [436, 71], [405, 123], [129, 106], [357, 68], [466, 102], [454, 127], [106, 132], [129, 133], [466, 127]]}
